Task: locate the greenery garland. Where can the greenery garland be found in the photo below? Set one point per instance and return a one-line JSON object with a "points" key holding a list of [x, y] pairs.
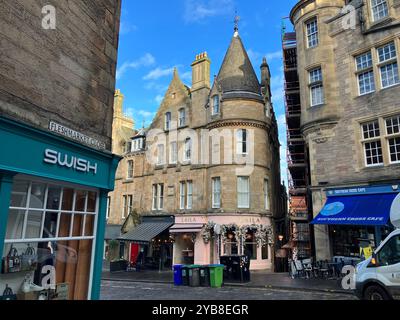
{"points": [[208, 231]]}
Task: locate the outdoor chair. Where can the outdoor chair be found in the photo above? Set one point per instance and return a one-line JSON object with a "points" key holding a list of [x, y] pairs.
{"points": [[324, 269], [299, 268], [308, 268]]}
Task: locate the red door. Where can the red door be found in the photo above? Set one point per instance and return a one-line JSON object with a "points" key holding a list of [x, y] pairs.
{"points": [[134, 252]]}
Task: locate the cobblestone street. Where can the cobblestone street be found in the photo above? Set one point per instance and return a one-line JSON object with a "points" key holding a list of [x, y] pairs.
{"points": [[116, 290]]}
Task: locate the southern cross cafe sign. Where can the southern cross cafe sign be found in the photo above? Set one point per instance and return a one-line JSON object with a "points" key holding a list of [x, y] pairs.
{"points": [[72, 134]]}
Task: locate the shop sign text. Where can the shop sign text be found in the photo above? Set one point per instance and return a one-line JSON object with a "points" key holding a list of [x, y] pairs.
{"points": [[65, 160]]}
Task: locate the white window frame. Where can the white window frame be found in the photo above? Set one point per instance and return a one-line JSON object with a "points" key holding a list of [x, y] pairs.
{"points": [[372, 137], [130, 169], [187, 155], [215, 105], [365, 65], [266, 195], [27, 210], [108, 207], [376, 6], [388, 58], [316, 83], [182, 195], [160, 196], [182, 117], [173, 152], [160, 154], [242, 141], [393, 135], [312, 35], [189, 194], [154, 204], [128, 205], [243, 192], [216, 192], [168, 118]]}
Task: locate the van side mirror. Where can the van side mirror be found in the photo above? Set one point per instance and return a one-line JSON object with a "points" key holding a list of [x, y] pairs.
{"points": [[374, 261]]}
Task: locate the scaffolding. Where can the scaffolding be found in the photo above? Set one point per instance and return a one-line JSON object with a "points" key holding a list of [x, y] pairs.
{"points": [[296, 151]]}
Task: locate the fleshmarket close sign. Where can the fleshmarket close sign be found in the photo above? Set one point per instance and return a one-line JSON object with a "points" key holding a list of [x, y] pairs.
{"points": [[75, 135]]}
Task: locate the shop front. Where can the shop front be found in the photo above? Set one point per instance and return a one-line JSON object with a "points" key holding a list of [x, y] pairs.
{"points": [[150, 244], [204, 239], [357, 218], [53, 195]]}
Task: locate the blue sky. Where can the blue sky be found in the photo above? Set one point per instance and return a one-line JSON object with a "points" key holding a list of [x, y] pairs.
{"points": [[157, 36]]}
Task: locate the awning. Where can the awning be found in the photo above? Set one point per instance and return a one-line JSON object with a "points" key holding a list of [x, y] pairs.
{"points": [[186, 227], [370, 209], [145, 232], [113, 231]]}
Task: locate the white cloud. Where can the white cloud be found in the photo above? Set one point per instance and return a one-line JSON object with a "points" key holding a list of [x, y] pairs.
{"points": [[159, 98], [274, 55], [187, 76], [145, 61], [158, 73], [145, 114], [126, 27], [196, 11]]}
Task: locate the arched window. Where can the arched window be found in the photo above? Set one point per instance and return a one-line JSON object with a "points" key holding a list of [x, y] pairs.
{"points": [[215, 105]]}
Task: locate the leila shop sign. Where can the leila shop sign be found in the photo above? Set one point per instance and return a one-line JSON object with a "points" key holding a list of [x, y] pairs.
{"points": [[68, 161]]}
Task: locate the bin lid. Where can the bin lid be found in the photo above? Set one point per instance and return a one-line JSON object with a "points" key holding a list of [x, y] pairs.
{"points": [[216, 265], [194, 266]]}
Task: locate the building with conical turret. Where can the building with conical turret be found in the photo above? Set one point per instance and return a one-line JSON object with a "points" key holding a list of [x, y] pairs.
{"points": [[205, 175]]}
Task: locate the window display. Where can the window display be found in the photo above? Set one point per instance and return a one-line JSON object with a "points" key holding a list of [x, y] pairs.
{"points": [[48, 246]]}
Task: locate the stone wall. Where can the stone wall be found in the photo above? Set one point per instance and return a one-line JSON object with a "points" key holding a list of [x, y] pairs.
{"points": [[67, 74]]}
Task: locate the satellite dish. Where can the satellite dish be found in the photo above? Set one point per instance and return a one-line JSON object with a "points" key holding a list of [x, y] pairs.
{"points": [[395, 212]]}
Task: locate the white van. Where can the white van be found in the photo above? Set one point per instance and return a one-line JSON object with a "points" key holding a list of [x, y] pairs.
{"points": [[378, 278]]}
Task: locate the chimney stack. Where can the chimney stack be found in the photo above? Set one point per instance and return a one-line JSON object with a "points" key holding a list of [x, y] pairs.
{"points": [[201, 72]]}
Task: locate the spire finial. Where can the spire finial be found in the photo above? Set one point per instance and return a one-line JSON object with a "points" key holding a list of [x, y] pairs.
{"points": [[236, 22]]}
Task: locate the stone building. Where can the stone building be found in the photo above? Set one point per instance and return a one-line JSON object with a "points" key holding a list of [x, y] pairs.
{"points": [[347, 54], [205, 176], [57, 82]]}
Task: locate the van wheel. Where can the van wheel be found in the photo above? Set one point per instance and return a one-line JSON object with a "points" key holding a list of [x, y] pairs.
{"points": [[375, 293]]}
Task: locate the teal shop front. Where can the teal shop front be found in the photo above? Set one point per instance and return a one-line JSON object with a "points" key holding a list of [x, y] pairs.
{"points": [[53, 198]]}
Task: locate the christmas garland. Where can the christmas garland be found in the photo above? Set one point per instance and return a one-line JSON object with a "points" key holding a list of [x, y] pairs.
{"points": [[208, 231], [263, 234]]}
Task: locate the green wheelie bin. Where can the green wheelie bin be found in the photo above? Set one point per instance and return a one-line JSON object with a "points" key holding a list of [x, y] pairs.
{"points": [[216, 275]]}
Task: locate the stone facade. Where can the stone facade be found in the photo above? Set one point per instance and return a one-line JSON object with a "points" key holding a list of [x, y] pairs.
{"points": [[244, 103], [333, 129], [66, 74]]}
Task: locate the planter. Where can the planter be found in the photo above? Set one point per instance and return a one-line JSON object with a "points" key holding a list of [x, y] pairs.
{"points": [[118, 265]]}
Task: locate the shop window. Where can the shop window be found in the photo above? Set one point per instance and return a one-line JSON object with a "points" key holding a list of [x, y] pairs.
{"points": [[49, 226], [231, 244], [264, 252], [250, 245]]}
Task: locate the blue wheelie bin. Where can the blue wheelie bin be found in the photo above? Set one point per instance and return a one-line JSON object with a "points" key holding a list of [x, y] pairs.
{"points": [[178, 281]]}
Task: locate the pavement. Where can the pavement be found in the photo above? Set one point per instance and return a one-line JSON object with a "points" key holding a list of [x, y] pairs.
{"points": [[259, 279], [139, 290]]}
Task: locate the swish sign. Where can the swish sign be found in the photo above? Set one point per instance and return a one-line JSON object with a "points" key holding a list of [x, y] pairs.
{"points": [[68, 161]]}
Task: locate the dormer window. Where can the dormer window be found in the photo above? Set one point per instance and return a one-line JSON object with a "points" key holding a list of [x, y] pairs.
{"points": [[379, 9], [138, 144], [168, 121], [182, 117], [215, 105]]}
